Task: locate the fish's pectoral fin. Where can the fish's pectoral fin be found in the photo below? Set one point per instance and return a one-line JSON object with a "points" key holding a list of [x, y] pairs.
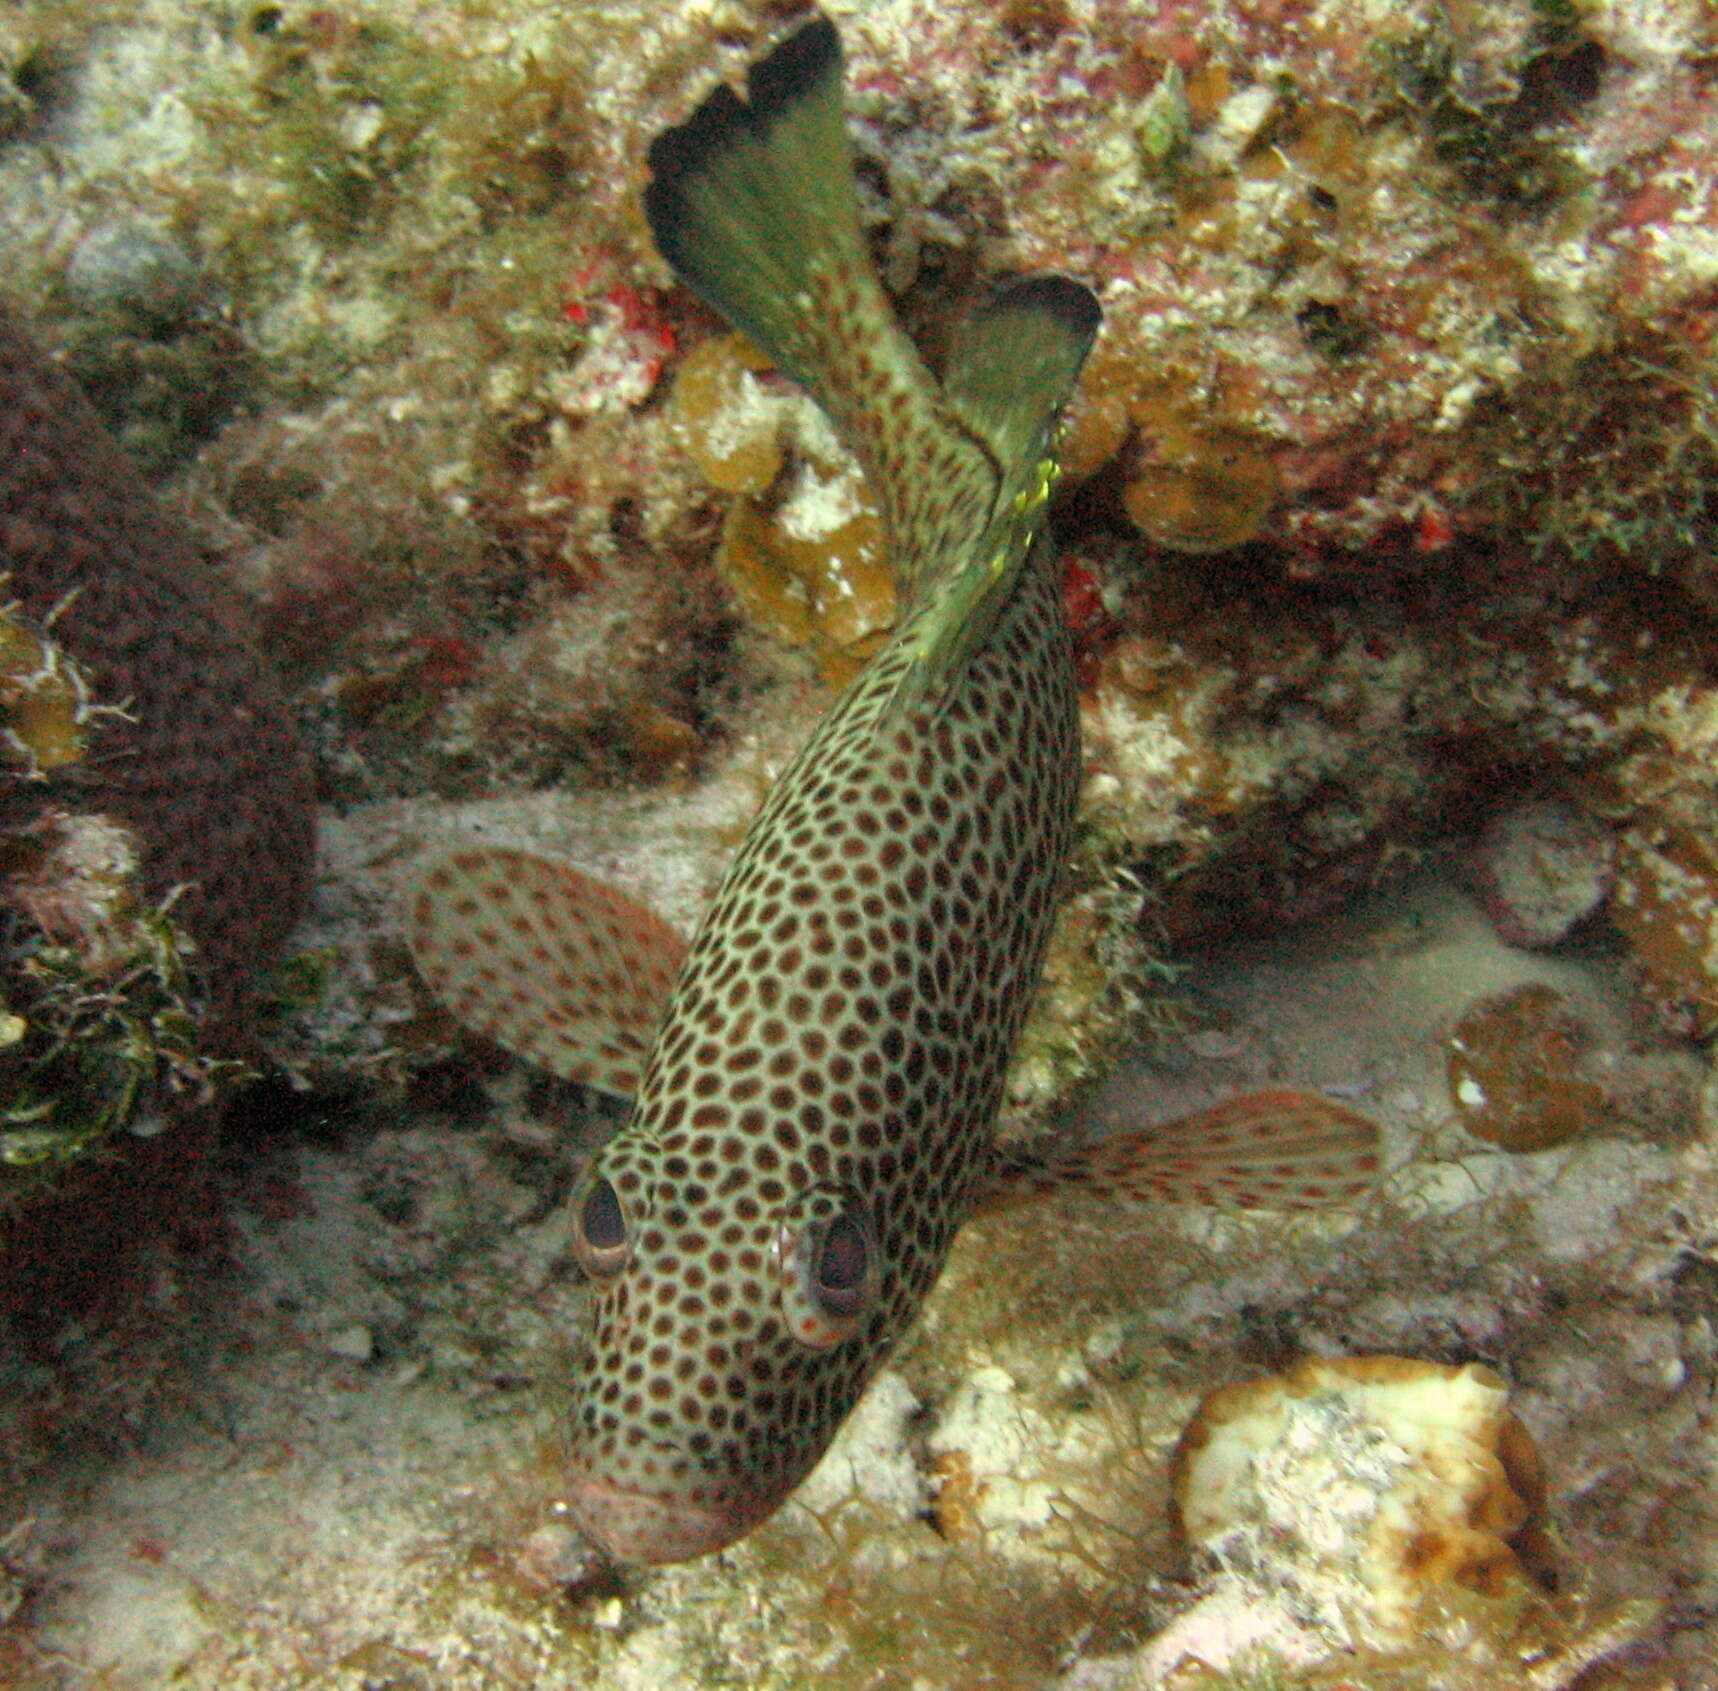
{"points": [[552, 964], [1281, 1149]]}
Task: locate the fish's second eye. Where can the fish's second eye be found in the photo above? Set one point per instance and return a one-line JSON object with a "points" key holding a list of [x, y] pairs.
{"points": [[599, 1230], [829, 1260]]}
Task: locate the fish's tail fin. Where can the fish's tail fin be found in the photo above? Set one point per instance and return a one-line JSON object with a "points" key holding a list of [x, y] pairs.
{"points": [[749, 198], [752, 202]]}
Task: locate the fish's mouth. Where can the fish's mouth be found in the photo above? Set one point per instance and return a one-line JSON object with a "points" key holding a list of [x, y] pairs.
{"points": [[641, 1526]]}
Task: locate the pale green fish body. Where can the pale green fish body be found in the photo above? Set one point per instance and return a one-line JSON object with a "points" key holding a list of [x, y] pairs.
{"points": [[815, 1118]]}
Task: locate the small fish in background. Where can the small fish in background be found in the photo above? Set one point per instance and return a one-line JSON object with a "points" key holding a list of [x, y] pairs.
{"points": [[816, 1078]]}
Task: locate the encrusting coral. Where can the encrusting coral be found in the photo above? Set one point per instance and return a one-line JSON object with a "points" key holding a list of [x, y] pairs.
{"points": [[1521, 1073], [203, 762], [1369, 1516], [195, 761], [1433, 1482], [803, 547]]}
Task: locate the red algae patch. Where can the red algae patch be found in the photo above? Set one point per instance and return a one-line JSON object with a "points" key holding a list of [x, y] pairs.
{"points": [[1515, 1070]]}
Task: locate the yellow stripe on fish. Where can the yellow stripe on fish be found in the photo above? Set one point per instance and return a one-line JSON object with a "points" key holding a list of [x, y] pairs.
{"points": [[816, 1115]]}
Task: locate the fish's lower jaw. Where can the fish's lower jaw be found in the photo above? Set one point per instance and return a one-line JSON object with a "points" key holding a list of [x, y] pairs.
{"points": [[650, 1527]]}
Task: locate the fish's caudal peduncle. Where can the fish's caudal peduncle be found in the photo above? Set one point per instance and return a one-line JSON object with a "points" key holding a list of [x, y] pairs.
{"points": [[818, 1105]]}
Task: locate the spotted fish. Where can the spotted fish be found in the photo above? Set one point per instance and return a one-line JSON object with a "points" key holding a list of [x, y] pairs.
{"points": [[814, 1116]]}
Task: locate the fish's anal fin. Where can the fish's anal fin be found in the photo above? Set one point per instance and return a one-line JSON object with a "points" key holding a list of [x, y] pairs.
{"points": [[1280, 1149], [752, 202], [550, 963]]}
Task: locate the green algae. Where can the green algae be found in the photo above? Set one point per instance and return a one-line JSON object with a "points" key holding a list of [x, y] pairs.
{"points": [[1165, 129], [162, 390], [1491, 113], [345, 112], [1632, 427], [1107, 986], [90, 1054], [302, 981]]}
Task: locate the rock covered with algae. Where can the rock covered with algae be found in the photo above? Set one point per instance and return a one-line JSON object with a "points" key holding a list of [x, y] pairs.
{"points": [[1399, 305], [1388, 499]]}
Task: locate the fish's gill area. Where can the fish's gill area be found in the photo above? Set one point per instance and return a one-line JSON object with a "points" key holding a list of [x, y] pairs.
{"points": [[1388, 538]]}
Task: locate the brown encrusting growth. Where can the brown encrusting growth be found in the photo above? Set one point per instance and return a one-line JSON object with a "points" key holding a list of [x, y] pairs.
{"points": [[204, 764]]}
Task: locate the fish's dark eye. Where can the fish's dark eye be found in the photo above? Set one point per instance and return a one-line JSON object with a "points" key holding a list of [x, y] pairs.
{"points": [[841, 1266], [829, 1260], [599, 1230]]}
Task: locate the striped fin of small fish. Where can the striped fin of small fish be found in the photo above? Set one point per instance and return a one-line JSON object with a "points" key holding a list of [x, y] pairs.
{"points": [[1280, 1149], [548, 962]]}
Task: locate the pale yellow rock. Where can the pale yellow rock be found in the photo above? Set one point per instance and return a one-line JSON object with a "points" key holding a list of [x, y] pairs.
{"points": [[1361, 1486]]}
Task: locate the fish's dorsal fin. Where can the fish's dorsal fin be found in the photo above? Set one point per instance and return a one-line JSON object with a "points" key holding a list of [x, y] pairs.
{"points": [[555, 966], [752, 203], [1015, 358], [1011, 368], [1277, 1150]]}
